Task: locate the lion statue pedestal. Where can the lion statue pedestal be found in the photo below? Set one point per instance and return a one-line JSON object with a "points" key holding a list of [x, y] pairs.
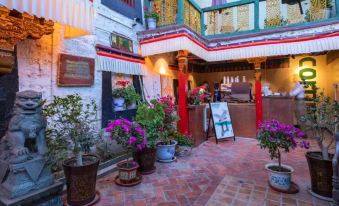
{"points": [[25, 172]]}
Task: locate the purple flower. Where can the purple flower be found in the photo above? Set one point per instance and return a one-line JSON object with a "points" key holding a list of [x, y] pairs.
{"points": [[140, 131], [132, 140], [139, 147]]}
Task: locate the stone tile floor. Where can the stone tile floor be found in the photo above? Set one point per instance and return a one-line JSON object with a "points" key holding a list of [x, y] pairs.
{"points": [[230, 173]]}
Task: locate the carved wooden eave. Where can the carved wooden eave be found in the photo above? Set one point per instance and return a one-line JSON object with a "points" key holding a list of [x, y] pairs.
{"points": [[16, 27]]}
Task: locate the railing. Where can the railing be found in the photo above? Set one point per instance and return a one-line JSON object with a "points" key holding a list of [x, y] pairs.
{"points": [[255, 15], [244, 15], [178, 12]]}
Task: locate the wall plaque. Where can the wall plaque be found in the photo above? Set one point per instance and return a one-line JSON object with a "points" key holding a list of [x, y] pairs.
{"points": [[75, 71]]}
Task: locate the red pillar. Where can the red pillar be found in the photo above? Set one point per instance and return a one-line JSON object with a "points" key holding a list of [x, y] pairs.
{"points": [[182, 99], [258, 99], [258, 94]]}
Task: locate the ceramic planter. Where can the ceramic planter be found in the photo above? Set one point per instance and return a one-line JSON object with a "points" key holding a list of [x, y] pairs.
{"points": [[81, 180], [146, 160], [279, 180], [128, 171], [321, 173], [118, 104], [165, 153], [151, 23], [132, 106]]}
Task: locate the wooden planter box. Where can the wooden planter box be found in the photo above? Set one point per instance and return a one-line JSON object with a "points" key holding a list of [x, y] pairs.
{"points": [[196, 123]]}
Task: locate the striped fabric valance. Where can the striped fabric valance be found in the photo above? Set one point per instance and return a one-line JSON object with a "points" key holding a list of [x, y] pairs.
{"points": [[74, 13], [118, 64]]}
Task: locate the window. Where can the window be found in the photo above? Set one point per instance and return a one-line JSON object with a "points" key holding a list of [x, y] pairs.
{"points": [[218, 2], [130, 3]]}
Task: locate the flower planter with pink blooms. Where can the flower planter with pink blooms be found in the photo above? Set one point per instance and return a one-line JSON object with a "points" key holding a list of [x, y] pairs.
{"points": [[132, 137], [277, 137]]}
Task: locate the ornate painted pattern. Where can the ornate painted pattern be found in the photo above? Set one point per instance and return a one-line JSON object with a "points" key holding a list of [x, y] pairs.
{"points": [[227, 20], [273, 9], [293, 14], [212, 22], [243, 17], [167, 11], [192, 16]]}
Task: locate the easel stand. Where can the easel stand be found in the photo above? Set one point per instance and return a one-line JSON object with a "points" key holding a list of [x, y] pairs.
{"points": [[210, 118]]}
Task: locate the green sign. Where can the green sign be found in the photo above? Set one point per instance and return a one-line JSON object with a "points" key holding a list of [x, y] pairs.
{"points": [[308, 75]]}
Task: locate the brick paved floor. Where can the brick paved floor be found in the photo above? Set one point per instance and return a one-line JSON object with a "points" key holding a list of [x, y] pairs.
{"points": [[230, 173]]}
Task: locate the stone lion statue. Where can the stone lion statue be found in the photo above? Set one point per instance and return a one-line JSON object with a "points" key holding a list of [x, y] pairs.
{"points": [[25, 137]]}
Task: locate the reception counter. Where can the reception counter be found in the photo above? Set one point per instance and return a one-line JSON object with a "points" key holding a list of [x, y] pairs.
{"points": [[243, 116]]}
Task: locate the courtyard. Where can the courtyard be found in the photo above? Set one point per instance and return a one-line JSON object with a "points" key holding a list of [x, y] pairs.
{"points": [[228, 173]]}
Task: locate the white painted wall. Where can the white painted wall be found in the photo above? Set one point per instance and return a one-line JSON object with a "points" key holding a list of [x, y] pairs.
{"points": [[38, 59]]}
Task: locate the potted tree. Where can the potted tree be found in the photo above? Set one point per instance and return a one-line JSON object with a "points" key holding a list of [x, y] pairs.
{"points": [[166, 146], [151, 118], [151, 18], [73, 121], [119, 94], [320, 120], [278, 137], [132, 137], [131, 97]]}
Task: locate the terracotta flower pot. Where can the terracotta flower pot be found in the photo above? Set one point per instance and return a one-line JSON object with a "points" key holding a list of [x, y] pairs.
{"points": [[128, 171], [321, 174], [81, 180], [146, 160]]}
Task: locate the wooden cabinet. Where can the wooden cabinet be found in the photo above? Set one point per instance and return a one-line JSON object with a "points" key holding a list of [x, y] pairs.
{"points": [[196, 121]]}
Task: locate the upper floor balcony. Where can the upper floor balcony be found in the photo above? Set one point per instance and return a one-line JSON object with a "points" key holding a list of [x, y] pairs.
{"points": [[243, 29], [244, 16]]}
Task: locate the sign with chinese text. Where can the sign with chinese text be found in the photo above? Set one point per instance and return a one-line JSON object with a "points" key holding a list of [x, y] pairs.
{"points": [[75, 71]]}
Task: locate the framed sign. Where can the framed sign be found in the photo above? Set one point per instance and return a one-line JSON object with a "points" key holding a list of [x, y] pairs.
{"points": [[121, 43], [75, 71], [221, 119]]}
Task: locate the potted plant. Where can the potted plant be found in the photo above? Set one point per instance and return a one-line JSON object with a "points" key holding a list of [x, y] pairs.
{"points": [[275, 22], [151, 118], [278, 137], [198, 95], [72, 121], [185, 144], [132, 137], [328, 9], [320, 120], [119, 94], [151, 18], [131, 97], [166, 146]]}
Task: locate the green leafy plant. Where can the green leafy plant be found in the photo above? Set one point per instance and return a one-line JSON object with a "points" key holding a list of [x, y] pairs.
{"points": [[183, 140], [70, 127], [321, 119], [151, 14], [276, 21], [120, 90], [131, 95], [151, 118]]}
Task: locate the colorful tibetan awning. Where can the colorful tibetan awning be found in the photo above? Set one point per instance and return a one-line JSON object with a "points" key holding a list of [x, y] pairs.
{"points": [[74, 13], [211, 50]]}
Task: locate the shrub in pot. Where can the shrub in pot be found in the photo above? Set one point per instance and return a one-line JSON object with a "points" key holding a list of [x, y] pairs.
{"points": [[151, 18], [199, 95], [131, 97], [73, 122], [278, 137], [151, 118], [321, 120], [166, 146], [132, 137], [184, 146], [119, 94]]}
